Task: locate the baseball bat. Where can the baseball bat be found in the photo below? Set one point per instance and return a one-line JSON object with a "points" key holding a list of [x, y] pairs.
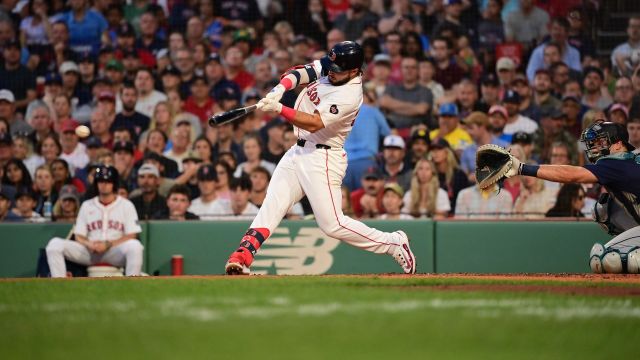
{"points": [[231, 115]]}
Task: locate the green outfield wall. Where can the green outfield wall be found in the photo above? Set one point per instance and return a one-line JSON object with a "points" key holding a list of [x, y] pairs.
{"points": [[300, 247]]}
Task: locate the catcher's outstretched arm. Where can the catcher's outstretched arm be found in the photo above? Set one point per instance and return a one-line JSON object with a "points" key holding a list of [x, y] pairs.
{"points": [[566, 174]]}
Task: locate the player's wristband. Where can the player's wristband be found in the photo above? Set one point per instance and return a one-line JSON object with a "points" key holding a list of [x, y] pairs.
{"points": [[287, 83], [288, 113], [529, 170]]}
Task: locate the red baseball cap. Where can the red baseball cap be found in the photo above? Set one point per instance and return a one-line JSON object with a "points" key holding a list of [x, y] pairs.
{"points": [[68, 125]]}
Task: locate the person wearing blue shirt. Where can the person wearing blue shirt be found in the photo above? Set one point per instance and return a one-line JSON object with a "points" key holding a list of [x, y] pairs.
{"points": [[86, 27], [363, 143], [559, 35]]}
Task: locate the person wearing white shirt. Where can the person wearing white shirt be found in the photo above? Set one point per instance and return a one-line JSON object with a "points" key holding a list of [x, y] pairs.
{"points": [[73, 151], [205, 206], [148, 97], [516, 122]]}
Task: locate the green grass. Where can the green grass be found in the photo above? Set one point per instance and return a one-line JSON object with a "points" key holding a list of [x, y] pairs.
{"points": [[307, 318]]}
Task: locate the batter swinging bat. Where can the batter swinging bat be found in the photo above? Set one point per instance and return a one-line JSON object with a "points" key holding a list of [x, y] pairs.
{"points": [[231, 115]]}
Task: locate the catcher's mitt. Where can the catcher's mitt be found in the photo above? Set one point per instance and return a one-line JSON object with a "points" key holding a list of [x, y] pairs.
{"points": [[492, 165]]}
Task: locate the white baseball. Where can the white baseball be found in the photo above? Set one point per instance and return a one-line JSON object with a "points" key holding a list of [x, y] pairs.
{"points": [[83, 131]]}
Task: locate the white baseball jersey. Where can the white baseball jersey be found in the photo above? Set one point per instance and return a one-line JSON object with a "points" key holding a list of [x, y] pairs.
{"points": [[338, 107], [98, 222]]}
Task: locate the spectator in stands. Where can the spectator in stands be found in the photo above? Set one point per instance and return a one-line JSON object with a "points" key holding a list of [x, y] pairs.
{"points": [[491, 32], [25, 205], [68, 205], [156, 142], [191, 163], [149, 201], [148, 97], [535, 199], [410, 103], [619, 113], [418, 147], [543, 98], [526, 25], [623, 93], [181, 142], [274, 148], [452, 179], [525, 141], [367, 201], [568, 54], [7, 112], [498, 120], [38, 117], [353, 21], [528, 107], [240, 207], [22, 149], [574, 111], [49, 149], [393, 166], [202, 146], [225, 177], [426, 198], [506, 69], [471, 204], [252, 147], [448, 73], [450, 129], [478, 127], [73, 151], [362, 144], [235, 71], [392, 203], [489, 90], [516, 122], [633, 127], [595, 96], [16, 77], [178, 201], [426, 72], [128, 116], [203, 206], [16, 175], [100, 125], [6, 215], [552, 130], [163, 118], [561, 76], [62, 176], [183, 60], [467, 98], [86, 26], [625, 57], [571, 198], [124, 161]]}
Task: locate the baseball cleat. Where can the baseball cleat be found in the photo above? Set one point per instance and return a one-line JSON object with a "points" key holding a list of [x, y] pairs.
{"points": [[236, 265], [403, 255]]}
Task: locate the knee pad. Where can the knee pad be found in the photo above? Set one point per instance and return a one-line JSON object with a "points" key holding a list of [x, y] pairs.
{"points": [[633, 261], [595, 258]]}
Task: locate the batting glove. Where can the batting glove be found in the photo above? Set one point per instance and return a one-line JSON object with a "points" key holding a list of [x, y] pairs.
{"points": [[267, 104], [276, 93]]}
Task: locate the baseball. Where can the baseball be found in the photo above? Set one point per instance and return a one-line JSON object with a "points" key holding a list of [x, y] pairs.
{"points": [[83, 131]]}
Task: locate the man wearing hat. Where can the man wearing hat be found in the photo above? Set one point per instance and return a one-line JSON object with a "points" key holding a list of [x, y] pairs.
{"points": [[8, 110], [489, 90], [215, 73], [478, 127], [593, 96], [16, 77], [73, 151], [87, 70], [450, 128], [393, 166], [25, 204], [418, 146], [68, 204], [498, 120], [516, 121], [367, 201], [205, 205], [70, 78], [190, 164], [123, 161], [363, 144], [149, 201], [6, 215], [506, 70], [619, 113], [552, 130], [525, 140], [128, 116], [527, 106], [199, 102]]}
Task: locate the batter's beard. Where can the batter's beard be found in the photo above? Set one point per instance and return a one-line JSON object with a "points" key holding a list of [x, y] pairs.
{"points": [[341, 82]]}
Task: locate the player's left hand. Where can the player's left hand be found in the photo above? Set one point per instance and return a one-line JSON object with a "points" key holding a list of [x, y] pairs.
{"points": [[267, 104], [276, 93], [99, 247]]}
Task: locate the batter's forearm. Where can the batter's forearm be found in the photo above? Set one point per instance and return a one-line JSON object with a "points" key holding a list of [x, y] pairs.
{"points": [[566, 174], [303, 120]]}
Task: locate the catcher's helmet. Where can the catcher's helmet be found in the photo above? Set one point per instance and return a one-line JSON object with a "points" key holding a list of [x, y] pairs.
{"points": [[104, 173], [346, 55], [601, 135]]}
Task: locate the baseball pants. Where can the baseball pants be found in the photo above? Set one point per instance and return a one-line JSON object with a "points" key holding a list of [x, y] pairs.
{"points": [[128, 254], [626, 241], [317, 173]]}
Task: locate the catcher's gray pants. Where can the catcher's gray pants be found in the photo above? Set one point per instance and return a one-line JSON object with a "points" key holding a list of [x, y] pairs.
{"points": [[128, 253], [626, 241]]}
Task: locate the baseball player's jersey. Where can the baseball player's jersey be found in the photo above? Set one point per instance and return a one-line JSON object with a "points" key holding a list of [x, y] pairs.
{"points": [[338, 107], [98, 222]]}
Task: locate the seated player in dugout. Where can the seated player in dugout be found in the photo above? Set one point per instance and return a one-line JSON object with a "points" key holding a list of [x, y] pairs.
{"points": [[615, 166], [323, 116]]}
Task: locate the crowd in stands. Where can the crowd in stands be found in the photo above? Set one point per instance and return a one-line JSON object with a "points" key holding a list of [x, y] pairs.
{"points": [[442, 77]]}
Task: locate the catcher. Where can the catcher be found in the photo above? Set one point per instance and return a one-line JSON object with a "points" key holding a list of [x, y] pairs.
{"points": [[613, 165]]}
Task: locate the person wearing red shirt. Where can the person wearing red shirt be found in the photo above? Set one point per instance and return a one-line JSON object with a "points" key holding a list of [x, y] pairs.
{"points": [[199, 103], [235, 69], [367, 201]]}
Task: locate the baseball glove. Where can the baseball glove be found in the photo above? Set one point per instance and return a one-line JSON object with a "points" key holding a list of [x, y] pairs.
{"points": [[493, 165]]}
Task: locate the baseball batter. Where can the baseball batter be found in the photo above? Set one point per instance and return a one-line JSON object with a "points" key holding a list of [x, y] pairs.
{"points": [[105, 231], [323, 116]]}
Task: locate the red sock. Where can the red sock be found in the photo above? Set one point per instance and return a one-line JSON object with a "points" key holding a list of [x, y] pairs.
{"points": [[251, 242]]}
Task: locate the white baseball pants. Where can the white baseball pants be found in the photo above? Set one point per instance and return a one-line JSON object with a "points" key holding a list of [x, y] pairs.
{"points": [[318, 173], [127, 254]]}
